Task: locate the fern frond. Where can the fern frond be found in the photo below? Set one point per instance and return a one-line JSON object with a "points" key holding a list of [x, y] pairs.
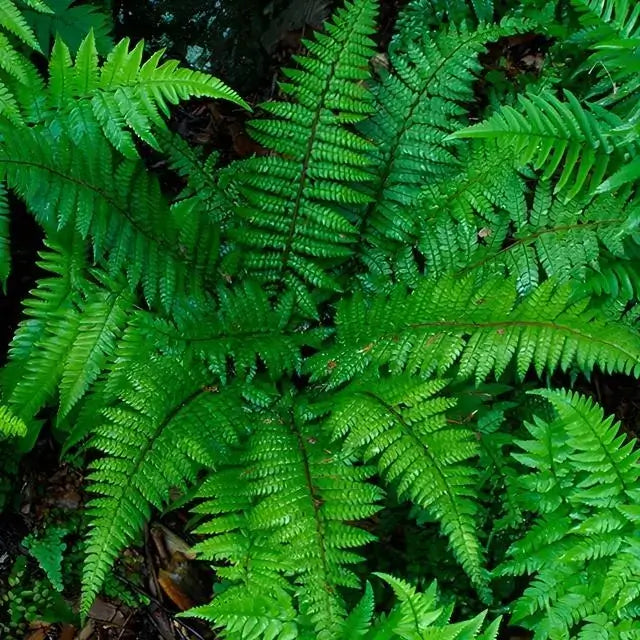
{"points": [[43, 338], [419, 106], [159, 427], [11, 425], [401, 423], [555, 135], [243, 329], [477, 325], [289, 521], [112, 200], [417, 615], [71, 22], [554, 238], [612, 32], [12, 20], [293, 225], [124, 94], [583, 551]]}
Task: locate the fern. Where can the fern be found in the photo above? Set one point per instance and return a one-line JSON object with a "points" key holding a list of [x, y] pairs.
{"points": [[298, 498], [292, 225], [475, 325], [320, 343], [404, 427], [558, 135], [149, 448], [583, 547]]}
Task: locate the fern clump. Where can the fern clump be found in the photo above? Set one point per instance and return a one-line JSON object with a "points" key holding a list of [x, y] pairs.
{"points": [[374, 325]]}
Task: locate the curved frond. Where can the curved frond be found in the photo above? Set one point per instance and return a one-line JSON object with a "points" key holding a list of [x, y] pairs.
{"points": [[401, 423], [156, 430], [477, 325], [293, 226], [561, 137]]}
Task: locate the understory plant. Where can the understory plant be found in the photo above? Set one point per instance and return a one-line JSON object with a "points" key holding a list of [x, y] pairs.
{"points": [[390, 316]]}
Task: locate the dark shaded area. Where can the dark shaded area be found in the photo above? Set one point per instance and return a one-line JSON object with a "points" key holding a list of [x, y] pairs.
{"points": [[26, 240]]}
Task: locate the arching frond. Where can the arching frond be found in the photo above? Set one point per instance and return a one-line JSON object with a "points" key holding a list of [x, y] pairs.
{"points": [[478, 326], [292, 223], [401, 423], [558, 136], [155, 431]]}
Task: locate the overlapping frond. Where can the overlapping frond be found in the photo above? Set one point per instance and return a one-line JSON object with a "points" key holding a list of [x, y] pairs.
{"points": [[563, 137], [419, 104], [236, 335], [401, 423], [154, 431], [292, 220], [583, 547], [43, 339], [123, 94], [113, 201], [476, 324], [551, 239], [298, 495], [612, 32]]}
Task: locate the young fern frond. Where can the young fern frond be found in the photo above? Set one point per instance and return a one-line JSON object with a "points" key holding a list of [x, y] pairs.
{"points": [[401, 423], [292, 220], [583, 548], [476, 324]]}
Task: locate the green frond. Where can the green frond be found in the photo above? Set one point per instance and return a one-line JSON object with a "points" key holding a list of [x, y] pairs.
{"points": [[582, 548], [401, 423], [292, 516], [65, 342], [102, 320], [43, 339], [477, 324], [358, 622], [11, 425], [419, 17], [12, 20], [568, 241], [292, 225], [47, 549], [114, 201], [124, 94], [562, 137], [417, 615], [612, 32], [610, 466], [155, 431], [418, 107], [242, 328]]}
